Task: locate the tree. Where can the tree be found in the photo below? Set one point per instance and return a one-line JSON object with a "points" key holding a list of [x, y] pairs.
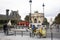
{"points": [[57, 19], [27, 18], [45, 22]]}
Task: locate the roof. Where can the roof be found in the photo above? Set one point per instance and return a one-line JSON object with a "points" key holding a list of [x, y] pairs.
{"points": [[13, 16], [4, 17]]}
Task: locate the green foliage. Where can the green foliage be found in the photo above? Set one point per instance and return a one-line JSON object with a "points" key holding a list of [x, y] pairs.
{"points": [[1, 26], [14, 21], [27, 18], [45, 22], [3, 21], [57, 19], [6, 21]]}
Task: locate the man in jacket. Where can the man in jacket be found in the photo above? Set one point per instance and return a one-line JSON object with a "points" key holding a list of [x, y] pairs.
{"points": [[5, 28]]}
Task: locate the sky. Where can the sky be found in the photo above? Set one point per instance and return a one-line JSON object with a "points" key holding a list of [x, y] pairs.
{"points": [[51, 9]]}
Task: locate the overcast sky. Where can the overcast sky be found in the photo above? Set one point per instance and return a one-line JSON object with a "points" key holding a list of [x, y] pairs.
{"points": [[52, 7]]}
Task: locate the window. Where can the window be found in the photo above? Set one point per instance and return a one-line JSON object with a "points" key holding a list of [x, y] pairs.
{"points": [[35, 20], [39, 22]]}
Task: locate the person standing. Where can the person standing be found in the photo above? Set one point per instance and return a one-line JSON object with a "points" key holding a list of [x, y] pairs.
{"points": [[5, 28], [33, 29]]}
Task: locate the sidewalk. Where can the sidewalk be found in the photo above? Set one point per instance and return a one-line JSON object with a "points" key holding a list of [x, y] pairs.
{"points": [[27, 37], [24, 38], [54, 31]]}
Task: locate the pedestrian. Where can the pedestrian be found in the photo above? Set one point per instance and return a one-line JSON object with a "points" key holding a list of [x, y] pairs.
{"points": [[33, 29], [5, 28]]}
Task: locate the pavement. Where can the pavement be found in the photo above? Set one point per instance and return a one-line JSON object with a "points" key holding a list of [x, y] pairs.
{"points": [[56, 36], [24, 38]]}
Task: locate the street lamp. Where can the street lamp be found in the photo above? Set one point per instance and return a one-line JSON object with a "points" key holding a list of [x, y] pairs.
{"points": [[43, 13], [43, 7], [30, 11], [30, 1]]}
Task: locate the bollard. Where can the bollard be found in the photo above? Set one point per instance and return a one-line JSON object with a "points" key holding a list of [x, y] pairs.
{"points": [[30, 34], [22, 33], [15, 33], [51, 34]]}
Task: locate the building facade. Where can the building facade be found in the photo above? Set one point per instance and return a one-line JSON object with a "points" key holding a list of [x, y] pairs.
{"points": [[14, 15], [37, 18]]}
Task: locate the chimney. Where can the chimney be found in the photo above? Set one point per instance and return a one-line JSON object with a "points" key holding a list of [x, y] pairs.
{"points": [[7, 12]]}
